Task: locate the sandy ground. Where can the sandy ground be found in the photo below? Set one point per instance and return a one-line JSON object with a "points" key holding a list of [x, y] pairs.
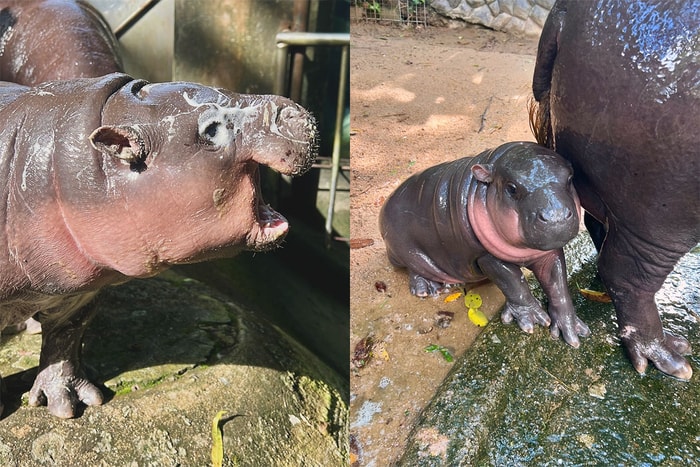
{"points": [[418, 98]]}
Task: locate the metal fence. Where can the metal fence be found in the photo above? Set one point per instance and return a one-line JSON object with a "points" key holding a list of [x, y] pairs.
{"points": [[414, 12]]}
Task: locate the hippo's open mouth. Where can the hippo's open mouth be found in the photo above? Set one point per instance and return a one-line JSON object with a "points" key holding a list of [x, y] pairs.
{"points": [[270, 226]]}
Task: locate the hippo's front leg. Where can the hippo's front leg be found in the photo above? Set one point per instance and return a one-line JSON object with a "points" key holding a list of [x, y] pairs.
{"points": [[520, 304], [61, 383], [550, 271]]}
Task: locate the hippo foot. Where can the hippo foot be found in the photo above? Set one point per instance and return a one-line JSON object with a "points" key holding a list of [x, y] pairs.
{"points": [[665, 353], [569, 327], [526, 316], [61, 390], [422, 287]]}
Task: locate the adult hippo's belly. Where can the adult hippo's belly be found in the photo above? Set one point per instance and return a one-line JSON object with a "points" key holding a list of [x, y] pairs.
{"points": [[482, 218], [105, 179], [618, 86]]}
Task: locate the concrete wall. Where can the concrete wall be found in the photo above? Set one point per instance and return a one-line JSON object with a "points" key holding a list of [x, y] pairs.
{"points": [[515, 16]]}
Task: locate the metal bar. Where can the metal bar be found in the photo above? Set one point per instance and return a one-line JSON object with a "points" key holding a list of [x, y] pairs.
{"points": [[337, 139], [123, 28], [313, 38], [309, 39]]}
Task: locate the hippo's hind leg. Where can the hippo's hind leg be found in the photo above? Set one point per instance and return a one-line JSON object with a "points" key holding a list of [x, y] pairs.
{"points": [[422, 287], [633, 273], [61, 383]]}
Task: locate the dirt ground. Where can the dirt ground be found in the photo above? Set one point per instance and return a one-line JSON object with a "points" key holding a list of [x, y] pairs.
{"points": [[418, 97]]}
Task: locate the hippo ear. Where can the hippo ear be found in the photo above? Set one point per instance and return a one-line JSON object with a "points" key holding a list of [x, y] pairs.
{"points": [[122, 142], [482, 172]]}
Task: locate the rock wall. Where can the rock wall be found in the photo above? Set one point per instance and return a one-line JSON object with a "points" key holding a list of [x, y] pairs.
{"points": [[514, 16]]}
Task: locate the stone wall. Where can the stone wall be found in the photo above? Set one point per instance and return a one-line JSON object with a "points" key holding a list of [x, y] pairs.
{"points": [[515, 16]]}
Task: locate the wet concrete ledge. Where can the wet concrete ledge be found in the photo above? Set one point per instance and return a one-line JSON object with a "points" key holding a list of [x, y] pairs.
{"points": [[515, 399]]}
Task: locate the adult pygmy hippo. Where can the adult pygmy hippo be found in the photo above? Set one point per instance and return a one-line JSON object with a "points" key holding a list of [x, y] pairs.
{"points": [[484, 217], [618, 84], [46, 40], [106, 179]]}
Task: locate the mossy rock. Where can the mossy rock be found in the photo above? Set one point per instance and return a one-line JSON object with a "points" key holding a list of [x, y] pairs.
{"points": [[517, 399], [170, 353]]}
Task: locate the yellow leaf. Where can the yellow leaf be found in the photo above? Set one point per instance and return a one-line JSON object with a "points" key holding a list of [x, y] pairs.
{"points": [[452, 297], [595, 296], [472, 300], [379, 351], [217, 449], [477, 317]]}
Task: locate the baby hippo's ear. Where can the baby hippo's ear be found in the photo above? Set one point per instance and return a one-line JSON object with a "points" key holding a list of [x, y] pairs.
{"points": [[122, 142], [482, 172]]}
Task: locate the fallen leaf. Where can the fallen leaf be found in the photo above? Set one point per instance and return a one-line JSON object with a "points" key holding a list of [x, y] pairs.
{"points": [[595, 296], [472, 300], [443, 350], [357, 243], [217, 448], [477, 317], [452, 297], [362, 352]]}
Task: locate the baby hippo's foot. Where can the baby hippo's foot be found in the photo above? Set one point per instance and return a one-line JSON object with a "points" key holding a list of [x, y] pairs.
{"points": [[422, 287], [527, 315], [666, 352], [568, 326], [61, 389]]}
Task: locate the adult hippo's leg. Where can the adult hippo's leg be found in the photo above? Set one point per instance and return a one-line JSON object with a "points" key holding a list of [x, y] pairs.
{"points": [[632, 275], [61, 384]]}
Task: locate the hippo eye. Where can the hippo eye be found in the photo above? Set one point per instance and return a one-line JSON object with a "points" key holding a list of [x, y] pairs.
{"points": [[511, 189], [211, 130]]}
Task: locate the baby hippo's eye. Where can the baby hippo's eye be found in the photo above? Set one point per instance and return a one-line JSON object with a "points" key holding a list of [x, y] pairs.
{"points": [[211, 130], [511, 189], [208, 134]]}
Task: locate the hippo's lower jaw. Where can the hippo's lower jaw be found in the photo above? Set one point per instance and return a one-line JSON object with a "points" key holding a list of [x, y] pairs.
{"points": [[269, 226], [271, 229]]}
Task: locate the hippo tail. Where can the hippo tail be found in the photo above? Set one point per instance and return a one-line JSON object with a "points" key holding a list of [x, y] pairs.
{"points": [[540, 119]]}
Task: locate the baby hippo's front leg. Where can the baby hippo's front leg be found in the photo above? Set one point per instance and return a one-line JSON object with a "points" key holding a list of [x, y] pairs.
{"points": [[61, 383], [550, 271], [520, 304]]}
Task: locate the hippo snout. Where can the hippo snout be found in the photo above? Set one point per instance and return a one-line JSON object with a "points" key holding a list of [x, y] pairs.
{"points": [[291, 142], [552, 226], [555, 216]]}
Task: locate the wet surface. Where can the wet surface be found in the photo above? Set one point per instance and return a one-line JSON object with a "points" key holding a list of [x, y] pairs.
{"points": [[514, 399]]}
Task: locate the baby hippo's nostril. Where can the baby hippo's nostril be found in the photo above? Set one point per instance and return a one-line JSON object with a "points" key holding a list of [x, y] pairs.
{"points": [[554, 215]]}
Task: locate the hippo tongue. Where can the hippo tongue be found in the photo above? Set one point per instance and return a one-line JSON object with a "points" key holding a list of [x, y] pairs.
{"points": [[270, 220], [272, 226]]}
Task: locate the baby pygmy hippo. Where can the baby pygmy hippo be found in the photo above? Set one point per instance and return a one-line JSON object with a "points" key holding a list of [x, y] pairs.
{"points": [[484, 217]]}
